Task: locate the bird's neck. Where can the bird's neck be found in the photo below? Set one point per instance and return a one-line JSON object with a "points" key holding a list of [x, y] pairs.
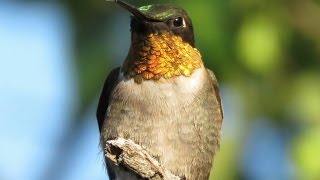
{"points": [[158, 56]]}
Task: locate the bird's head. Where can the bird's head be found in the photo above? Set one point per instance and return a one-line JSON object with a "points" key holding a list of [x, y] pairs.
{"points": [[162, 44]]}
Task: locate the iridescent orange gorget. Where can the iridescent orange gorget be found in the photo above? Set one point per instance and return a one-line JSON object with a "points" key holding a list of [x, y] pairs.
{"points": [[160, 55]]}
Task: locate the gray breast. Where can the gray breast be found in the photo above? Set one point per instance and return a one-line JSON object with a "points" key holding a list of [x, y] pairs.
{"points": [[173, 119]]}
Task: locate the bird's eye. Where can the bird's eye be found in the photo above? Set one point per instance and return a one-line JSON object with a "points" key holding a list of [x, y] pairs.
{"points": [[179, 22]]}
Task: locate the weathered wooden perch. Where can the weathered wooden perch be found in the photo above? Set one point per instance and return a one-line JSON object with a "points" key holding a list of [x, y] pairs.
{"points": [[126, 154]]}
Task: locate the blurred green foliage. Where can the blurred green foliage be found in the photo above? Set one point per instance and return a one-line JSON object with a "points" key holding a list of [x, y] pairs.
{"points": [[306, 148], [267, 50]]}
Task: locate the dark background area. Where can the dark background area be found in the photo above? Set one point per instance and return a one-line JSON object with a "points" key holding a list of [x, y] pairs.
{"points": [[55, 56]]}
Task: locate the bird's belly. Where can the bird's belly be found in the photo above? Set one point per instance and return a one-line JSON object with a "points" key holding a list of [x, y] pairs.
{"points": [[174, 125]]}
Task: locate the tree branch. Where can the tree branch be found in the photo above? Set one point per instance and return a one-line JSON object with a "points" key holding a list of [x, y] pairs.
{"points": [[126, 154]]}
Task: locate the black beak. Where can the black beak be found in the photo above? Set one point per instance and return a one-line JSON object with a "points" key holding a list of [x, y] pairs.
{"points": [[134, 11]]}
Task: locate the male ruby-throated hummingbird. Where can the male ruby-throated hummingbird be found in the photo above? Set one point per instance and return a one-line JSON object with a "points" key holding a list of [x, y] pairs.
{"points": [[162, 97]]}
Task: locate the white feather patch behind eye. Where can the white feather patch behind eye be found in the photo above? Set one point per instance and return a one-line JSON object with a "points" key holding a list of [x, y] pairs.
{"points": [[184, 23]]}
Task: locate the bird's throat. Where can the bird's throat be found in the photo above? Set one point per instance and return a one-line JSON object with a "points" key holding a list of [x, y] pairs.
{"points": [[158, 56]]}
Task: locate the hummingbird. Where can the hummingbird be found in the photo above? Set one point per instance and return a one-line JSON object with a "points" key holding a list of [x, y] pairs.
{"points": [[163, 97]]}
